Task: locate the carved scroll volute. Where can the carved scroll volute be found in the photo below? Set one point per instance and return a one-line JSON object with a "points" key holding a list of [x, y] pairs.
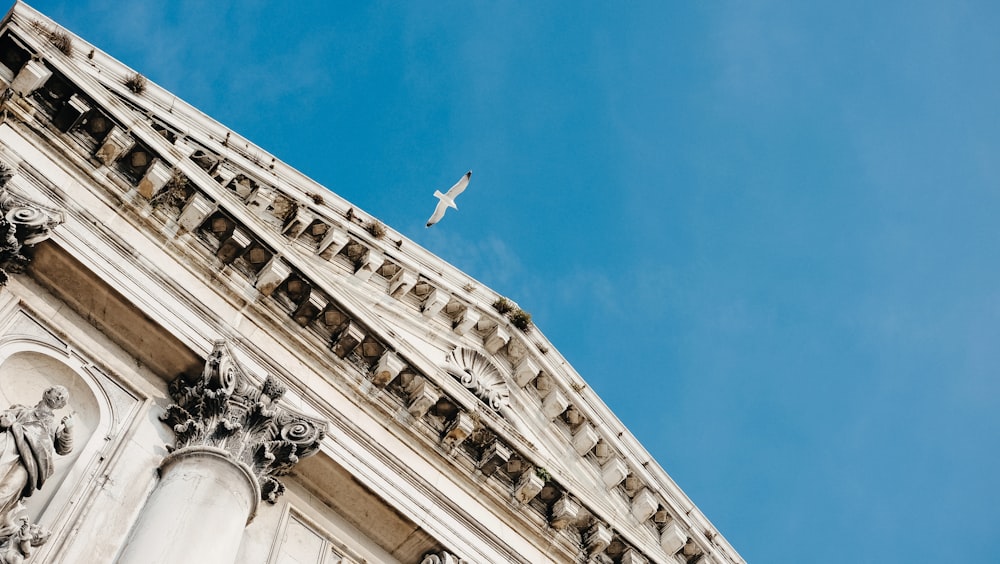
{"points": [[443, 557], [23, 223], [226, 409], [33, 224]]}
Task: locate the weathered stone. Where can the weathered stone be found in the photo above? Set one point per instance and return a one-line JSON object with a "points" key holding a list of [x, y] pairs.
{"points": [[597, 538], [422, 397], [367, 266], [32, 75], [389, 366], [401, 283], [526, 371], [156, 177], [633, 556], [554, 404], [644, 505], [23, 224], [496, 339], [495, 455], [349, 338], [672, 538], [469, 319], [195, 212], [434, 302], [271, 275], [564, 512], [613, 472], [115, 144], [458, 430], [528, 486], [585, 439]]}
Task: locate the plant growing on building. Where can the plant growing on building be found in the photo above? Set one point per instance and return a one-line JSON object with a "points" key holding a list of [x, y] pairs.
{"points": [[136, 83], [59, 39], [503, 305], [376, 228], [520, 319], [517, 316]]}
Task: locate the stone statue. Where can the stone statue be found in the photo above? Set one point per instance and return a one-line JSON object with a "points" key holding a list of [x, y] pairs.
{"points": [[19, 537], [29, 440]]}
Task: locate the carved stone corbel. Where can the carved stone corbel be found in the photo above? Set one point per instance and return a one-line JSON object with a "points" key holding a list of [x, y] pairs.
{"points": [[225, 409]]}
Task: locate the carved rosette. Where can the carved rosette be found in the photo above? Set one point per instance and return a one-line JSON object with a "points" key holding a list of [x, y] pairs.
{"points": [[226, 410], [22, 224], [480, 376]]}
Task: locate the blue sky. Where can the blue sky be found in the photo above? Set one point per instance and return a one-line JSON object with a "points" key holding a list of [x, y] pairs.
{"points": [[766, 233]]}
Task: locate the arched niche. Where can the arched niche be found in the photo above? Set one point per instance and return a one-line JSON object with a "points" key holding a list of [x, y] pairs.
{"points": [[26, 369]]}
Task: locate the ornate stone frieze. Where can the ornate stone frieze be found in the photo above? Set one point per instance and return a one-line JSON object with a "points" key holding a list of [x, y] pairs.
{"points": [[480, 376], [225, 409], [22, 224]]}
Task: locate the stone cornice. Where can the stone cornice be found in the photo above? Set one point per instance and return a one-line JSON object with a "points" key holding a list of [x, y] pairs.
{"points": [[559, 390]]}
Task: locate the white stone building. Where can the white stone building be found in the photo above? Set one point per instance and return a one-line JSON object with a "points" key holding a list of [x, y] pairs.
{"points": [[260, 372]]}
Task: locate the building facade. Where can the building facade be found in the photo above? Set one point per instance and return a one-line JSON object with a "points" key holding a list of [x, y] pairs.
{"points": [[229, 363]]}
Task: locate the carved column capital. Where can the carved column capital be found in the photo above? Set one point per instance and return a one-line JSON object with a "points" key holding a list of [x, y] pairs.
{"points": [[23, 223], [443, 557], [226, 409]]}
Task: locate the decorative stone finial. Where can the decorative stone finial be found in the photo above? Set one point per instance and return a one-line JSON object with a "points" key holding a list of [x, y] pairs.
{"points": [[227, 410]]}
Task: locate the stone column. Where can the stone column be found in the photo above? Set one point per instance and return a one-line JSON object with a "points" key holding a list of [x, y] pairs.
{"points": [[197, 511], [232, 440]]}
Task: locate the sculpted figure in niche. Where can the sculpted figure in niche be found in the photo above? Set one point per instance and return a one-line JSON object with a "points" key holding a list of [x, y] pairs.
{"points": [[21, 536], [29, 440]]}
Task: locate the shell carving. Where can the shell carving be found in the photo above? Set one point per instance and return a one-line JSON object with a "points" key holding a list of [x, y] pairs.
{"points": [[480, 376]]}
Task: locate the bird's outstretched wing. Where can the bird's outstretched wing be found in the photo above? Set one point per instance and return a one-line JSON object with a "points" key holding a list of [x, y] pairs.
{"points": [[459, 186], [448, 199], [438, 213]]}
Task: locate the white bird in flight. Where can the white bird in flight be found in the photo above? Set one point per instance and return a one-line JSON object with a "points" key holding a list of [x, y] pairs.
{"points": [[447, 200]]}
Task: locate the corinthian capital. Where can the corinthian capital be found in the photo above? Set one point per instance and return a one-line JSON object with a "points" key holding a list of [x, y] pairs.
{"points": [[226, 409], [23, 223]]}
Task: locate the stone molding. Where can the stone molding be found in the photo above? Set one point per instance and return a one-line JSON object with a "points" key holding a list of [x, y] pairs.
{"points": [[225, 409]]}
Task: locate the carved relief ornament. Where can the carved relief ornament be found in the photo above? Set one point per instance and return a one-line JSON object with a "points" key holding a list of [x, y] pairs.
{"points": [[480, 376], [225, 409]]}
